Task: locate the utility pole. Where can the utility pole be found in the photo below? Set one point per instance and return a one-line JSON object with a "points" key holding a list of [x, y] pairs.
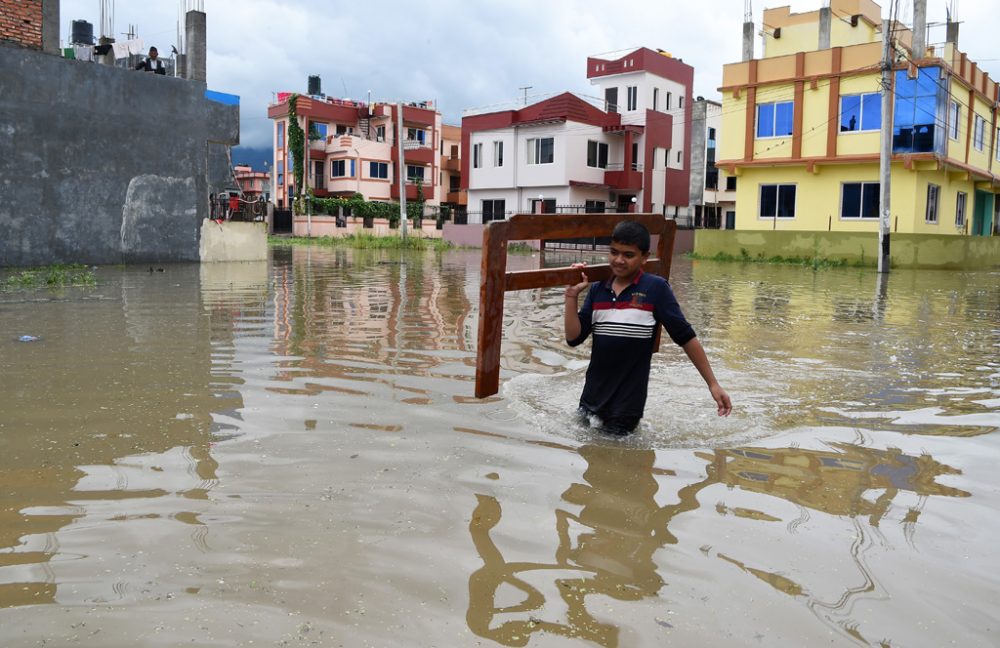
{"points": [[525, 89], [885, 154], [401, 171]]}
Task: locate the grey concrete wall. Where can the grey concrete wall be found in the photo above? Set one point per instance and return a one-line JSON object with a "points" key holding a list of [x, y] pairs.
{"points": [[102, 165]]}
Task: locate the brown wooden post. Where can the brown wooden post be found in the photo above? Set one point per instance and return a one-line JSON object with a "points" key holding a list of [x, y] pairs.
{"points": [[492, 285]]}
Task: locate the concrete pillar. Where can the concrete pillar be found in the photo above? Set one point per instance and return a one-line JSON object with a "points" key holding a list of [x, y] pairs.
{"points": [[952, 33], [919, 28], [50, 27], [825, 25], [180, 66], [197, 46], [748, 34]]}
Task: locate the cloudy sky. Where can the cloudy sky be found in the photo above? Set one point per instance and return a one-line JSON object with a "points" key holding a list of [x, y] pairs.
{"points": [[464, 53]]}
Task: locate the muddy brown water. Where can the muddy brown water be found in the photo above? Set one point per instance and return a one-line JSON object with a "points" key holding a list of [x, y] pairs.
{"points": [[289, 453]]}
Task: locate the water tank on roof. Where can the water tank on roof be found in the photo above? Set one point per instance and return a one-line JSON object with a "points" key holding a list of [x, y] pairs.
{"points": [[315, 87], [82, 33]]}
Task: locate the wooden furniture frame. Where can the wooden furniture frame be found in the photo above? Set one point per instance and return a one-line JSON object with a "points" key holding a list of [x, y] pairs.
{"points": [[494, 279]]}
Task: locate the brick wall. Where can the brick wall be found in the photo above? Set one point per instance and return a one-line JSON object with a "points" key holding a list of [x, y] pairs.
{"points": [[21, 23]]}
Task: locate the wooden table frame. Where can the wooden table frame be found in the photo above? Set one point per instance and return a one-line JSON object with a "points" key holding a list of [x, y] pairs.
{"points": [[495, 280]]}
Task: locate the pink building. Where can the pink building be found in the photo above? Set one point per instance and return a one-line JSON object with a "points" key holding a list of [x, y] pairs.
{"points": [[628, 149], [252, 183], [352, 149]]}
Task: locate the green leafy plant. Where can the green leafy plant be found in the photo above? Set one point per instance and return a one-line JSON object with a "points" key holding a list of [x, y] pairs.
{"points": [[296, 146], [55, 276]]}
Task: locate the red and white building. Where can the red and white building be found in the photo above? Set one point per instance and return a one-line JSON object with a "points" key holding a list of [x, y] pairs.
{"points": [[627, 150], [352, 148]]}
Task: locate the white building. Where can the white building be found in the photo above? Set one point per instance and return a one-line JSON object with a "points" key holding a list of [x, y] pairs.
{"points": [[713, 191], [629, 152]]}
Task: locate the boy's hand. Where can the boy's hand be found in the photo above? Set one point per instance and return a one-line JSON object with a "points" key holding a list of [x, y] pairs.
{"points": [[721, 399], [574, 290]]}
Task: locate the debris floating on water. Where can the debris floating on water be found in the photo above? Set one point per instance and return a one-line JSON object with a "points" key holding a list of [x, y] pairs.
{"points": [[28, 338]]}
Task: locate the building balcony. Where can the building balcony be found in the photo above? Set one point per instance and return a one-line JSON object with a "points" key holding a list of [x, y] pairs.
{"points": [[617, 177], [411, 191], [423, 155], [451, 164], [457, 198]]}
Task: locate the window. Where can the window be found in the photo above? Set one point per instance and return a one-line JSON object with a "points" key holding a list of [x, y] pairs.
{"points": [[679, 154], [414, 173], [317, 131], [635, 157], [777, 201], [979, 133], [730, 183], [380, 133], [774, 119], [860, 112], [594, 207], [597, 154], [340, 168], [932, 203], [454, 183], [281, 179], [960, 209], [493, 210], [344, 130], [915, 111], [711, 137], [378, 170], [540, 150], [631, 94], [416, 135], [953, 116], [281, 135], [666, 158], [498, 153], [680, 101], [611, 99], [666, 105], [656, 98], [859, 200], [477, 156]]}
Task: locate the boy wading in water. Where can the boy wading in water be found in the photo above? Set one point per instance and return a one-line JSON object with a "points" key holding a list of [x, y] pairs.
{"points": [[623, 313]]}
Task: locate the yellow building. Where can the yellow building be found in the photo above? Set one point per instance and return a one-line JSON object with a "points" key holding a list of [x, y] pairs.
{"points": [[803, 122]]}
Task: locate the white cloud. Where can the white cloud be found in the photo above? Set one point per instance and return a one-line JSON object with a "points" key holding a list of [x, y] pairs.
{"points": [[461, 53]]}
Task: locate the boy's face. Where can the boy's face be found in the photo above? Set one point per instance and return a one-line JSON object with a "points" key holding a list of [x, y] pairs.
{"points": [[625, 259]]}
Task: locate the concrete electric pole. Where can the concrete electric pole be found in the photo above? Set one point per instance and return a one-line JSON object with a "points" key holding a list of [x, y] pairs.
{"points": [[401, 170], [885, 154]]}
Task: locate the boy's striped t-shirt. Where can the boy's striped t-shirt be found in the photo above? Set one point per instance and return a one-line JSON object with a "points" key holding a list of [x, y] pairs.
{"points": [[623, 326]]}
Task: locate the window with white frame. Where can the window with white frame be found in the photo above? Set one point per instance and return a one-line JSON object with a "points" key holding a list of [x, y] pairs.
{"points": [[777, 201], [341, 168], [960, 200], [774, 119], [954, 115], [477, 156], [379, 170], [541, 150], [860, 112], [931, 213], [680, 155], [498, 153], [859, 200], [631, 97], [416, 135], [666, 105], [414, 173], [597, 154], [493, 210], [680, 101], [979, 133], [656, 98], [380, 133]]}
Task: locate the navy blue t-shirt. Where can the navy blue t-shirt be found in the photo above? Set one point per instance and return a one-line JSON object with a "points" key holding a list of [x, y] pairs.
{"points": [[623, 326]]}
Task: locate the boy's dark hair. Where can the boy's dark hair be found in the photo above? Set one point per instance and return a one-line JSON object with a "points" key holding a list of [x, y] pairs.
{"points": [[631, 233]]}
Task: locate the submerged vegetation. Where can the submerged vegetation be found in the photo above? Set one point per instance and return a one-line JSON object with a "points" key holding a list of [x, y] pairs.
{"points": [[55, 276], [814, 262], [367, 242]]}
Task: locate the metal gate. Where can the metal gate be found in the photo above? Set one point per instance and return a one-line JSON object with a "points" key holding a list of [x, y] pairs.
{"points": [[282, 221]]}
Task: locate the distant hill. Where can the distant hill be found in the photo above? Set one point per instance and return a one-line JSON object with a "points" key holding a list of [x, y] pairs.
{"points": [[255, 157]]}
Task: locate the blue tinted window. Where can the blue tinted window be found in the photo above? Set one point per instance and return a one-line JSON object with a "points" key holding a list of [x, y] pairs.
{"points": [[871, 111], [915, 115], [850, 113], [765, 120], [860, 112], [783, 118]]}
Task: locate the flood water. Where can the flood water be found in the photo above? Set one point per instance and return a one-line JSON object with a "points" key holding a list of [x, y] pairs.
{"points": [[289, 453]]}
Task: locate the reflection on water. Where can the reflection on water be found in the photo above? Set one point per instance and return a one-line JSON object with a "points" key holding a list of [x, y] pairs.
{"points": [[607, 541], [155, 440]]}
